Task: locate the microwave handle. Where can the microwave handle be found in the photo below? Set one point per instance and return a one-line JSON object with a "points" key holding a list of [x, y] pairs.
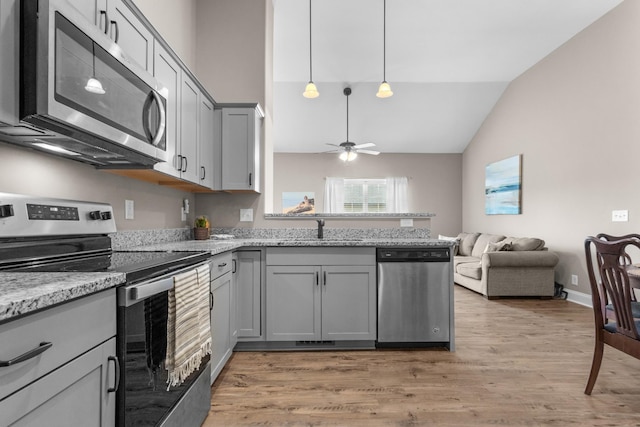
{"points": [[154, 96]]}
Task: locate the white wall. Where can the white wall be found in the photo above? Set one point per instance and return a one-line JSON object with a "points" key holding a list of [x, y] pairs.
{"points": [[574, 118]]}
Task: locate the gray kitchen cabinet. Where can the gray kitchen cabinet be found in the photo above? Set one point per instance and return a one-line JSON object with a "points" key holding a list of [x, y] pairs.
{"points": [[73, 381], [221, 292], [122, 26], [206, 143], [248, 276], [241, 135], [168, 73], [325, 300], [233, 314], [189, 121]]}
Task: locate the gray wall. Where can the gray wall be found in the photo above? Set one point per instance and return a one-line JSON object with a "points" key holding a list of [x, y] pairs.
{"points": [[574, 118]]}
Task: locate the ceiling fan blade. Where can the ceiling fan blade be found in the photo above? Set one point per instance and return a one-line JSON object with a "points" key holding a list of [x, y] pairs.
{"points": [[375, 153], [330, 151], [335, 145], [365, 145]]}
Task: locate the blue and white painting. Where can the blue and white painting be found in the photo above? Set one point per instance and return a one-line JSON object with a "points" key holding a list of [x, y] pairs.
{"points": [[503, 187]]}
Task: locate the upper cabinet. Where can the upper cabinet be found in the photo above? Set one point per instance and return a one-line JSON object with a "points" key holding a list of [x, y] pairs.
{"points": [[206, 152], [241, 135], [122, 26]]}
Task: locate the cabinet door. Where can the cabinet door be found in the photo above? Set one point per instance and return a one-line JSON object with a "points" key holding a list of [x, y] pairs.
{"points": [[189, 129], [205, 143], [167, 71], [233, 312], [348, 303], [220, 324], [93, 10], [240, 149], [130, 34], [75, 394], [293, 303], [248, 277]]}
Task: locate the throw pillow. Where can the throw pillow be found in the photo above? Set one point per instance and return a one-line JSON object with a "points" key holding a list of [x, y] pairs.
{"points": [[497, 247], [467, 240]]}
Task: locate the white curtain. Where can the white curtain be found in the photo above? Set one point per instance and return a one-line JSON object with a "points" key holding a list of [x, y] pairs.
{"points": [[397, 194], [334, 195]]}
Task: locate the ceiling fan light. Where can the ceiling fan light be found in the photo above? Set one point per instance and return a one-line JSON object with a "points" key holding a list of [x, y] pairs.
{"points": [[384, 91], [94, 86], [348, 156], [311, 91]]}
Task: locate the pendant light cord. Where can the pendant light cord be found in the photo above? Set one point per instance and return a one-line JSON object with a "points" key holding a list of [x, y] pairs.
{"points": [[384, 40], [310, 51], [347, 118]]}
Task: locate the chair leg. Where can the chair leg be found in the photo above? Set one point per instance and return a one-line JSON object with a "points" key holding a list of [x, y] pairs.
{"points": [[595, 365]]}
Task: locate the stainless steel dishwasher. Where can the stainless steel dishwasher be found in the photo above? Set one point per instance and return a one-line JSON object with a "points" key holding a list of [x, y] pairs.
{"points": [[415, 297]]}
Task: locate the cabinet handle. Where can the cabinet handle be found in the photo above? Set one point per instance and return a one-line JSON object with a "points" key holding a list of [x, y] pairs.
{"points": [[115, 24], [186, 163], [179, 163], [324, 273], [44, 346], [116, 364], [317, 278], [204, 172], [233, 266], [250, 179], [224, 264], [106, 20], [211, 301]]}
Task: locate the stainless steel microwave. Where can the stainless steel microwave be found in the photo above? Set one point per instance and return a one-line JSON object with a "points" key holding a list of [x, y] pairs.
{"points": [[78, 87]]}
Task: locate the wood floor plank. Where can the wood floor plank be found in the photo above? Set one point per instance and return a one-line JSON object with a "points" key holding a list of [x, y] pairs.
{"points": [[517, 362]]}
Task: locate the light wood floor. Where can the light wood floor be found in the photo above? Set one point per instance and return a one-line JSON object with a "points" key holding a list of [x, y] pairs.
{"points": [[518, 362]]}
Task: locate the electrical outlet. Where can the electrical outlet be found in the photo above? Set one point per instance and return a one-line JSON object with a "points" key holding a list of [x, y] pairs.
{"points": [[406, 222], [128, 209], [620, 216], [246, 215], [574, 279]]}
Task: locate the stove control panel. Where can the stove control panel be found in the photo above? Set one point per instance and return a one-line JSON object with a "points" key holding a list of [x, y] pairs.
{"points": [[54, 213]]}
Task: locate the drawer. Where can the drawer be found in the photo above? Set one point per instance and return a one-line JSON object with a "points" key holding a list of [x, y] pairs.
{"points": [[72, 328], [220, 264], [321, 256]]}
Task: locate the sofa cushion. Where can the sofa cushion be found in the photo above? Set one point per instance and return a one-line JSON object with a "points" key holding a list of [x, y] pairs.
{"points": [[525, 243], [470, 269], [457, 260], [467, 240], [482, 242]]}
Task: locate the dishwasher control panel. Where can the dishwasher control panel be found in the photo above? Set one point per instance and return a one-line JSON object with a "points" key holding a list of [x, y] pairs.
{"points": [[413, 255]]}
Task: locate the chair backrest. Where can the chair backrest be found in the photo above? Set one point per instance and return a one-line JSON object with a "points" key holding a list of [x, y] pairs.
{"points": [[610, 238], [614, 282]]}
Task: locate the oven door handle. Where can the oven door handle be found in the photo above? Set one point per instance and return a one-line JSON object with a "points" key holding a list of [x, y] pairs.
{"points": [[145, 290]]}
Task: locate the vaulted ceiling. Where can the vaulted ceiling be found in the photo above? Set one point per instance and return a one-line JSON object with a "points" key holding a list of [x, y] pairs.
{"points": [[448, 63]]}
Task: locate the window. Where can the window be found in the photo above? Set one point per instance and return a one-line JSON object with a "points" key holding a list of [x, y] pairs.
{"points": [[365, 196], [387, 195]]}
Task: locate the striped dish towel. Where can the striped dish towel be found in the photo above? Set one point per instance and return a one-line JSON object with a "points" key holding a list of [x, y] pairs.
{"points": [[188, 330]]}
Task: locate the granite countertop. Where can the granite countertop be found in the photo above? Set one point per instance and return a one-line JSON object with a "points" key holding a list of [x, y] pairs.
{"points": [[23, 293]]}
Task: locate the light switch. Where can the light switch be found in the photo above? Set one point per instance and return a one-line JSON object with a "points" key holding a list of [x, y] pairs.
{"points": [[620, 216], [246, 215]]}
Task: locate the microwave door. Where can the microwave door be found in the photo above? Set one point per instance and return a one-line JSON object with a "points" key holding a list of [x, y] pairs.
{"points": [[119, 109]]}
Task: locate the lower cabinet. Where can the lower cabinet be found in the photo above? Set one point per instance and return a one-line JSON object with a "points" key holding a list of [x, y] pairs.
{"points": [[220, 303], [321, 302], [68, 376], [248, 277]]}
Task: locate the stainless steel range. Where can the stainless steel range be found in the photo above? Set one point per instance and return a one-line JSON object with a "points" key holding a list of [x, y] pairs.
{"points": [[53, 235]]}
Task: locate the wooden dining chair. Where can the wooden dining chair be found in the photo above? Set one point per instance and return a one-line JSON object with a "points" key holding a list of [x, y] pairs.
{"points": [[613, 286]]}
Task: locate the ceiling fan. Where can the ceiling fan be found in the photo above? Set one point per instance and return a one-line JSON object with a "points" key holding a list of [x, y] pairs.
{"points": [[349, 150]]}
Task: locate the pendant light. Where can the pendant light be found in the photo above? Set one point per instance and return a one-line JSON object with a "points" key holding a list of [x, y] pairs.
{"points": [[384, 91], [93, 84], [310, 91]]}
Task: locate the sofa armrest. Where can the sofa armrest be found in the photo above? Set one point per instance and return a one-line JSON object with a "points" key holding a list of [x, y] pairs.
{"points": [[540, 259]]}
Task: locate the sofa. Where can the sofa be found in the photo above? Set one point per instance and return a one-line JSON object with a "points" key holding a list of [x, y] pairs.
{"points": [[499, 266]]}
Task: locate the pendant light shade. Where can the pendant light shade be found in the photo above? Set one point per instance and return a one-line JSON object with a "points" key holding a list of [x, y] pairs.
{"points": [[348, 156], [310, 91], [384, 91]]}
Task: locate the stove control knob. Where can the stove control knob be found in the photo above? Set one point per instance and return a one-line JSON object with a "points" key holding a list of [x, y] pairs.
{"points": [[94, 214], [105, 215], [6, 211]]}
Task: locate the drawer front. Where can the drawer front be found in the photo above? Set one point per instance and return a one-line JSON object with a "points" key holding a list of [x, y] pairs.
{"points": [[321, 256], [220, 264], [72, 329]]}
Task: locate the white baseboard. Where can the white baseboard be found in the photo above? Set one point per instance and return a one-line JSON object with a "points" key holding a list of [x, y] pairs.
{"points": [[578, 297]]}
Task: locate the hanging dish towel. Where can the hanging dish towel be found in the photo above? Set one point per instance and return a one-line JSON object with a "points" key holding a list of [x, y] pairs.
{"points": [[188, 330]]}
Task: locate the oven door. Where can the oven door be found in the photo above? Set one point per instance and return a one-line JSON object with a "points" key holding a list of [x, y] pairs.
{"points": [[143, 397], [63, 58]]}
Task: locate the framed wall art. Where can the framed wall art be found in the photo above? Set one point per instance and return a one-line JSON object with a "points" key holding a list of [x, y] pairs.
{"points": [[503, 187]]}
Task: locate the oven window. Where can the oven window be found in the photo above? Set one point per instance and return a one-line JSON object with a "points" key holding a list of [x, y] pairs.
{"points": [[144, 400], [125, 97]]}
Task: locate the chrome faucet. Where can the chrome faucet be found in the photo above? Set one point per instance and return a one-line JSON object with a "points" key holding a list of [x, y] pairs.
{"points": [[320, 225]]}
